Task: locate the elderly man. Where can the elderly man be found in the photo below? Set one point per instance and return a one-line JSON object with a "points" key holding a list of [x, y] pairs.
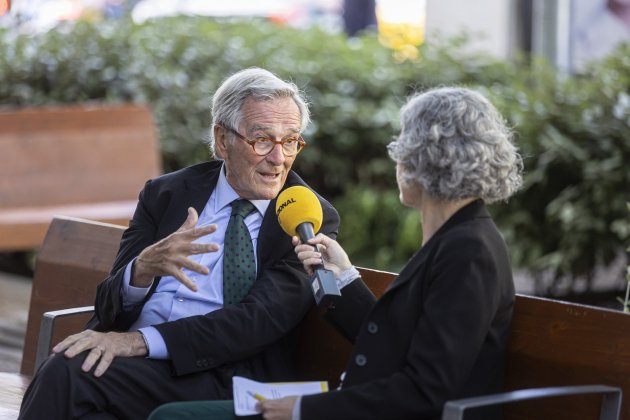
{"points": [[206, 284]]}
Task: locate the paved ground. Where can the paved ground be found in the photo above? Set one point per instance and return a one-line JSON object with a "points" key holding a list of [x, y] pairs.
{"points": [[15, 295]]}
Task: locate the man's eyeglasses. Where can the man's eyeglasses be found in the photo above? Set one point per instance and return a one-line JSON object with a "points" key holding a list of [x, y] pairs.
{"points": [[262, 146]]}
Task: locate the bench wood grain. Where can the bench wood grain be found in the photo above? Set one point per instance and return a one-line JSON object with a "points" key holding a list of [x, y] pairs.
{"points": [[75, 161]]}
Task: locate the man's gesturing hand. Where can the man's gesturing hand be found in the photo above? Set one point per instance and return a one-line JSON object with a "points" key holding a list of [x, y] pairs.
{"points": [[103, 347], [168, 256]]}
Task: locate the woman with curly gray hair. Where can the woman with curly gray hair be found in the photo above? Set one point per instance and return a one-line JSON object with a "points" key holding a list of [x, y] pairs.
{"points": [[455, 145], [439, 332]]}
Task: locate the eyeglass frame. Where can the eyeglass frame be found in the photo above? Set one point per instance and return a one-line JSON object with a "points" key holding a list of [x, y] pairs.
{"points": [[300, 140]]}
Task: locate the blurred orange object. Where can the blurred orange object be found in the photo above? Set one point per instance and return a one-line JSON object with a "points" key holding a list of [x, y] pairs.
{"points": [[5, 7]]}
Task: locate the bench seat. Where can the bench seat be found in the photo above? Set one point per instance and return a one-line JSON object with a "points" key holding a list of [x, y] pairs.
{"points": [[22, 227]]}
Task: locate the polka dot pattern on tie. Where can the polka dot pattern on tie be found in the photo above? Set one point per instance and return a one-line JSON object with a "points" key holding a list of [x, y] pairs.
{"points": [[239, 267]]}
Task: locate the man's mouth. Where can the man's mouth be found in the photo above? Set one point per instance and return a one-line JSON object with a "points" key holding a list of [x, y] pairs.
{"points": [[269, 175]]}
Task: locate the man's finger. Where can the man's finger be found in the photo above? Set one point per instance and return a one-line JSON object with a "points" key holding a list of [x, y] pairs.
{"points": [[191, 220], [92, 358], [78, 347], [202, 248], [193, 266], [198, 232], [65, 343], [103, 365], [72, 340], [183, 279]]}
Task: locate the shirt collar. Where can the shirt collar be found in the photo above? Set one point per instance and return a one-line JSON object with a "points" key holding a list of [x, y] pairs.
{"points": [[226, 194]]}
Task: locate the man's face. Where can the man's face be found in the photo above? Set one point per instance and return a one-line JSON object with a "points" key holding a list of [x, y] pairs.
{"points": [[256, 177]]}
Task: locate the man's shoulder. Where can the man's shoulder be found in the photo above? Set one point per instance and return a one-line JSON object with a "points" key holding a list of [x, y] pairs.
{"points": [[331, 217], [203, 170], [294, 179]]}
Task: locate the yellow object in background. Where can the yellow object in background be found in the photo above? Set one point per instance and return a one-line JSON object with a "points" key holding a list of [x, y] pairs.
{"points": [[401, 26]]}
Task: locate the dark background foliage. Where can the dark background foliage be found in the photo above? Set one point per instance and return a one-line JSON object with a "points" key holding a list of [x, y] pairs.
{"points": [[574, 131]]}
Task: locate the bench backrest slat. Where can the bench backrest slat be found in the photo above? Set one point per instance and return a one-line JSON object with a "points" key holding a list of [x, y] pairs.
{"points": [[73, 155], [75, 257], [555, 343]]}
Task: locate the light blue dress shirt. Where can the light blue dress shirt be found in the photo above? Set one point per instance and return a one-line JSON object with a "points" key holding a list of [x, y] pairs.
{"points": [[172, 300]]}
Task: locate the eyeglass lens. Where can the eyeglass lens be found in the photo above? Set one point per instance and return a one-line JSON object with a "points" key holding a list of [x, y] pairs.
{"points": [[290, 147]]}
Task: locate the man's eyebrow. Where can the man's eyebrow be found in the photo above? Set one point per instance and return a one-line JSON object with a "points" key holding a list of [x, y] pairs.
{"points": [[268, 129]]}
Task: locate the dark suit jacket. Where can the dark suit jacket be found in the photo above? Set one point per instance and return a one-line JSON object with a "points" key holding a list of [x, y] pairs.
{"points": [[439, 331], [252, 338]]}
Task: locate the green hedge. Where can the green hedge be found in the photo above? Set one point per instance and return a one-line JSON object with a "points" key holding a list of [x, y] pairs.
{"points": [[574, 132], [575, 135]]}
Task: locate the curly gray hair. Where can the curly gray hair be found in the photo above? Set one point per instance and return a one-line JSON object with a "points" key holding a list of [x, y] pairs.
{"points": [[455, 144], [253, 83]]}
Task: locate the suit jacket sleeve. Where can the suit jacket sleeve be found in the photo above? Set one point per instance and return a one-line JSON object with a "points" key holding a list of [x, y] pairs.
{"points": [[462, 298], [349, 312], [141, 233]]}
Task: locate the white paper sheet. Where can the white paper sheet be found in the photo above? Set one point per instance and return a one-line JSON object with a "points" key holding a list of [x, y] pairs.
{"points": [[245, 391]]}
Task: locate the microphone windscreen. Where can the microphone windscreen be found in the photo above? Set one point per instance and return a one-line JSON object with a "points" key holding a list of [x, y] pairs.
{"points": [[297, 205]]}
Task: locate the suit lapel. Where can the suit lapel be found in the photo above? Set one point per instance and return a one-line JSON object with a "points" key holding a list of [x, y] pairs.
{"points": [[193, 192], [198, 189], [407, 273]]}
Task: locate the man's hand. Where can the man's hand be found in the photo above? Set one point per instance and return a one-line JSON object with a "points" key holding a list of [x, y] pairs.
{"points": [[168, 256], [280, 409], [103, 347]]}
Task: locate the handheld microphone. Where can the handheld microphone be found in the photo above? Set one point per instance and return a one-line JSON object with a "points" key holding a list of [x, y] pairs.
{"points": [[300, 213]]}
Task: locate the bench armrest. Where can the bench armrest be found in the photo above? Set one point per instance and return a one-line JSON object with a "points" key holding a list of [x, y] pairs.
{"points": [[611, 399], [46, 331]]}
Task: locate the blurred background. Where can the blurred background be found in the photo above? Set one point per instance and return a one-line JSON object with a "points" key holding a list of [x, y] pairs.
{"points": [[559, 70]]}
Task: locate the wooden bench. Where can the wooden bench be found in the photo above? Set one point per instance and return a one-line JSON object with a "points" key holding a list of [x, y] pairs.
{"points": [[76, 161], [553, 343]]}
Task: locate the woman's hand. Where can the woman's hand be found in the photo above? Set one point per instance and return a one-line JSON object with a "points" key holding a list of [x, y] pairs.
{"points": [[280, 409], [328, 251]]}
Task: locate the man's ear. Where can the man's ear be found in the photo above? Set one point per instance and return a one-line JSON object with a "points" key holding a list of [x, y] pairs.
{"points": [[220, 141]]}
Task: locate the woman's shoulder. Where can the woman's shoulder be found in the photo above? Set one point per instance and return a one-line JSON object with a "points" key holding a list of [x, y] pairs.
{"points": [[472, 236]]}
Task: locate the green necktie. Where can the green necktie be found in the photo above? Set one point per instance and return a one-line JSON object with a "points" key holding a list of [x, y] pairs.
{"points": [[239, 267]]}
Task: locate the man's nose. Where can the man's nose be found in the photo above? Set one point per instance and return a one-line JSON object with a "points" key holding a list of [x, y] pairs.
{"points": [[276, 156]]}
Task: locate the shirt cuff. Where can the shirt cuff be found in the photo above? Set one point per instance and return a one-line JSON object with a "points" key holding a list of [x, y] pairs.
{"points": [[295, 415], [347, 276], [156, 347], [131, 295]]}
